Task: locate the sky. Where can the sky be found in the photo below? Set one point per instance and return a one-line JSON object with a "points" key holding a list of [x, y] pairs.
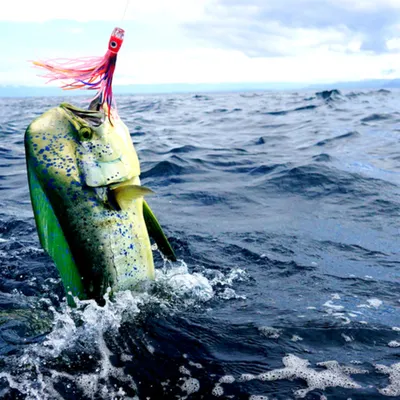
{"points": [[207, 41]]}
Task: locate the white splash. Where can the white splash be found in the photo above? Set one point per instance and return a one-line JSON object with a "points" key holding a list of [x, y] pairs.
{"points": [[218, 390], [296, 338], [179, 281], [297, 368], [374, 302], [330, 304], [190, 385], [229, 294], [227, 379], [196, 365], [396, 328], [183, 370], [270, 332], [247, 377], [89, 323], [347, 338], [394, 378]]}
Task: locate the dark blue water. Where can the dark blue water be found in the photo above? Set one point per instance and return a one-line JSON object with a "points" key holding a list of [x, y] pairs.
{"points": [[284, 212]]}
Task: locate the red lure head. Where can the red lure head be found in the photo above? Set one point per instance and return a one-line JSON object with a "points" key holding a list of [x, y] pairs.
{"points": [[116, 39], [94, 73]]}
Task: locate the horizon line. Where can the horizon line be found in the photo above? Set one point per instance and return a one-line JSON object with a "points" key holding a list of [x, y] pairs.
{"points": [[21, 90]]}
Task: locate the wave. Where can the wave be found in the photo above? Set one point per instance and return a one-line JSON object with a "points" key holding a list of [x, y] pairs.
{"points": [[320, 180], [285, 112], [348, 135], [376, 117], [165, 169], [329, 95], [286, 226]]}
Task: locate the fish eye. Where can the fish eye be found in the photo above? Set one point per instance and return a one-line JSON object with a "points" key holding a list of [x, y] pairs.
{"points": [[85, 133], [113, 44]]}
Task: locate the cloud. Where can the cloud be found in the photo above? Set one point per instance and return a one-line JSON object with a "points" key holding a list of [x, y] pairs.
{"points": [[290, 27], [216, 65], [101, 10], [209, 41], [199, 65]]}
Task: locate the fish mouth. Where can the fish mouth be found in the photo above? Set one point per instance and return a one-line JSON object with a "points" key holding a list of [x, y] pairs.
{"points": [[92, 117]]}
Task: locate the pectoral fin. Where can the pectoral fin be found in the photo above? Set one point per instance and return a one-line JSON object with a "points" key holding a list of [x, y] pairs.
{"points": [[125, 194], [156, 232], [52, 238]]}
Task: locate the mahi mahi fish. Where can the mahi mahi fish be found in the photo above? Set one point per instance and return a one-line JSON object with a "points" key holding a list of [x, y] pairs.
{"points": [[91, 217]]}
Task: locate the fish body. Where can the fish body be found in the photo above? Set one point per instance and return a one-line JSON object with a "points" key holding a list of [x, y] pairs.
{"points": [[87, 199]]}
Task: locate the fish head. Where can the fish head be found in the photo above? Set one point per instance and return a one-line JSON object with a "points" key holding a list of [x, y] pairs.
{"points": [[71, 145], [104, 153]]}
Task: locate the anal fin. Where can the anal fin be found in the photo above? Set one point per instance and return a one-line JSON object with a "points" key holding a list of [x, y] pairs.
{"points": [[156, 232]]}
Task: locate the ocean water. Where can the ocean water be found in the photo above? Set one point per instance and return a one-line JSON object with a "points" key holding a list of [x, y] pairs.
{"points": [[284, 212]]}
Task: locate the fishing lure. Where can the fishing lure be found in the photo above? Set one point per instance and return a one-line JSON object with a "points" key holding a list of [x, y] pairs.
{"points": [[92, 73]]}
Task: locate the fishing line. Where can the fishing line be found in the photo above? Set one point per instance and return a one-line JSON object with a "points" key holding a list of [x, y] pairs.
{"points": [[126, 8]]}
